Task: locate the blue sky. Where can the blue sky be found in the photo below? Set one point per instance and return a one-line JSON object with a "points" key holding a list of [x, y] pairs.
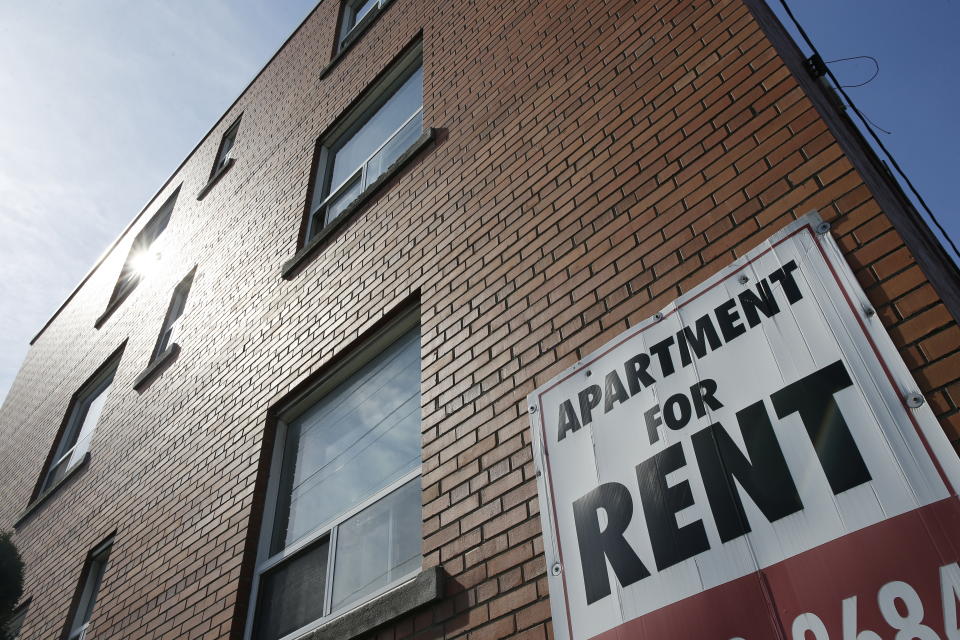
{"points": [[102, 100]]}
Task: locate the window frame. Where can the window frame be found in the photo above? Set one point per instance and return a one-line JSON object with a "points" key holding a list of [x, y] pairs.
{"points": [[178, 303], [346, 35], [100, 382], [222, 158], [369, 349], [129, 278], [96, 566], [322, 192]]}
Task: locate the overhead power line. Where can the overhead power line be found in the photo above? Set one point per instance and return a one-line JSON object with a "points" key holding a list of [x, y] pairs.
{"points": [[869, 129]]}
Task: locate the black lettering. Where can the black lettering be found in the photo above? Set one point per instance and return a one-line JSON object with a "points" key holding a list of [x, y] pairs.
{"points": [[703, 394], [614, 499], [706, 333], [784, 275], [727, 317], [589, 399], [568, 420], [764, 475], [652, 417], [613, 391], [812, 397], [671, 543], [765, 303], [676, 411], [662, 351], [636, 370]]}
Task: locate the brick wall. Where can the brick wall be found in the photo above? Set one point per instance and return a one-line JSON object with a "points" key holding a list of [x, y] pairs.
{"points": [[595, 160]]}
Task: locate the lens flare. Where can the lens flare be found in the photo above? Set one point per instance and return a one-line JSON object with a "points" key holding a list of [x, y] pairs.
{"points": [[145, 263]]}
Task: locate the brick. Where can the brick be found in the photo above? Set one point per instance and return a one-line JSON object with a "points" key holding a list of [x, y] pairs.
{"points": [[594, 160]]}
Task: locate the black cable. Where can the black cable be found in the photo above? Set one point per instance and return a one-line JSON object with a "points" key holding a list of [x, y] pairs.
{"points": [[876, 69], [872, 133]]}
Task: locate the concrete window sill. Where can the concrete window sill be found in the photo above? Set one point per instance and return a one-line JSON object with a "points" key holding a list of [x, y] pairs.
{"points": [[427, 587], [114, 305], [308, 249], [41, 499], [215, 178], [169, 355]]}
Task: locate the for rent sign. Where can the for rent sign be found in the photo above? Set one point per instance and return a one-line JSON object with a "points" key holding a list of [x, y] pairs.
{"points": [[750, 464]]}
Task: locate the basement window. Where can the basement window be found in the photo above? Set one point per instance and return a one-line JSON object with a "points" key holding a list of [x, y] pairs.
{"points": [[343, 519], [367, 142]]}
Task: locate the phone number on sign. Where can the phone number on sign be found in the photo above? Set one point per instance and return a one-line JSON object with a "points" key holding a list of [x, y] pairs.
{"points": [[901, 608]]}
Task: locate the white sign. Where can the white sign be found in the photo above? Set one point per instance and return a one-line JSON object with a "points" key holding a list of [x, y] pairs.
{"points": [[758, 417]]}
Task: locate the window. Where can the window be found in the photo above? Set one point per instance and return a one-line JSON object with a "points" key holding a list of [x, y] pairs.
{"points": [[343, 520], [171, 323], [15, 623], [140, 259], [86, 407], [369, 140], [226, 146], [354, 12], [88, 589]]}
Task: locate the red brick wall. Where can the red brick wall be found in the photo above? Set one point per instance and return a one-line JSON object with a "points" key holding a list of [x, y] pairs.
{"points": [[595, 161]]}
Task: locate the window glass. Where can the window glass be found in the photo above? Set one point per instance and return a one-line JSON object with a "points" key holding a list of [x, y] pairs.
{"points": [[81, 425], [345, 515], [226, 146], [356, 440], [360, 11], [138, 256], [171, 322], [90, 419], [351, 155], [292, 595], [378, 545], [90, 588]]}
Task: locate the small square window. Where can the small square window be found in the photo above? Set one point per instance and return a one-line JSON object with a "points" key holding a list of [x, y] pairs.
{"points": [[84, 414], [171, 322], [224, 151], [367, 141], [356, 14], [141, 258], [343, 522], [88, 589]]}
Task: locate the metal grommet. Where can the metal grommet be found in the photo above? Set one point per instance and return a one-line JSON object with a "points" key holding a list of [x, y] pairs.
{"points": [[823, 228], [533, 409], [658, 316], [743, 279], [914, 400], [869, 312], [556, 569], [588, 373]]}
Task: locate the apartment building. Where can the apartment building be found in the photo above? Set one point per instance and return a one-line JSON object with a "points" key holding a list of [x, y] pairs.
{"points": [[306, 393]]}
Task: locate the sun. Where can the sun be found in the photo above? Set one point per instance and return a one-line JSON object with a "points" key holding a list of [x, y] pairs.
{"points": [[145, 262]]}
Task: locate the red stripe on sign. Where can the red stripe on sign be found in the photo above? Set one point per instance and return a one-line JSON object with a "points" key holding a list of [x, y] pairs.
{"points": [[892, 569]]}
